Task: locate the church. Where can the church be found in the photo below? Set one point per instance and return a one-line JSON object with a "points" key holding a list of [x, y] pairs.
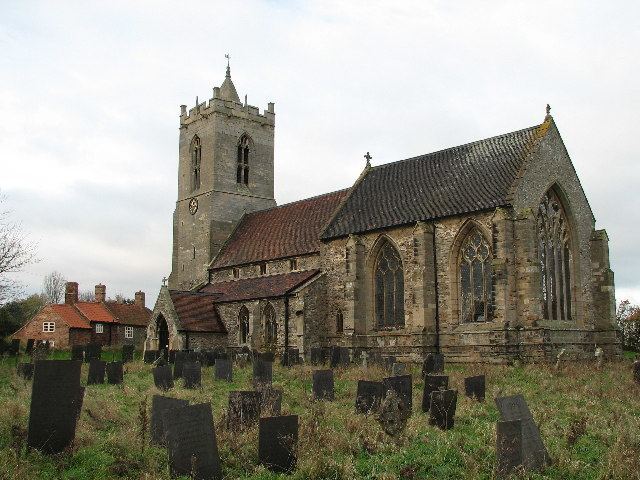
{"points": [[485, 252]]}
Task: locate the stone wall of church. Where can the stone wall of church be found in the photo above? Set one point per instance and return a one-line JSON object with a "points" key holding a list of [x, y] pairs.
{"points": [[283, 265]]}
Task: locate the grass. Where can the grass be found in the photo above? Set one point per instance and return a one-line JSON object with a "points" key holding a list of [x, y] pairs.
{"points": [[589, 420]]}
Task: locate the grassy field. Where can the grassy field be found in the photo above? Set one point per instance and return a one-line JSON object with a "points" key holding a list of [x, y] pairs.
{"points": [[589, 420]]}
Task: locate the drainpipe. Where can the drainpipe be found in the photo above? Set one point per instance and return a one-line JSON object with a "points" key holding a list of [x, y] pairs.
{"points": [[435, 287]]}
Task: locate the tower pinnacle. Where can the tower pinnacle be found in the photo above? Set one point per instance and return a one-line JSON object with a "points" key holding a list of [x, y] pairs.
{"points": [[227, 89]]}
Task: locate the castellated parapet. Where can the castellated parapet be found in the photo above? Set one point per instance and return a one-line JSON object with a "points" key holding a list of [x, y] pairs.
{"points": [[227, 107]]}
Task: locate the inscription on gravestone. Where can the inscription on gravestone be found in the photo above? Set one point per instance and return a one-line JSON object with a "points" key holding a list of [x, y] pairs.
{"points": [[262, 373], [97, 370], [244, 409], [25, 370], [159, 405], [115, 374], [442, 411], [223, 369], [162, 377], [323, 385], [192, 375], [402, 385], [474, 387], [77, 352], [432, 383], [277, 442], [271, 401], [368, 396], [508, 448], [127, 353]]}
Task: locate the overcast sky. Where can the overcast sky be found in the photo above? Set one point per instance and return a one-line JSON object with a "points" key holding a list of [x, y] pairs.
{"points": [[90, 95]]}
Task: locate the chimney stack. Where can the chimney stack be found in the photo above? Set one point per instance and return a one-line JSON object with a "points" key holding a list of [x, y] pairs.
{"points": [[101, 293], [71, 293], [139, 299]]}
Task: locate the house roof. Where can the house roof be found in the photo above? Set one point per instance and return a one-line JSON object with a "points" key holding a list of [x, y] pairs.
{"points": [[96, 312], [129, 314], [285, 231], [197, 312], [467, 178], [70, 316], [270, 286]]}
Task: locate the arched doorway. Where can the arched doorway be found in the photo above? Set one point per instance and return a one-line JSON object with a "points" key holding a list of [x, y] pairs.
{"points": [[163, 334]]}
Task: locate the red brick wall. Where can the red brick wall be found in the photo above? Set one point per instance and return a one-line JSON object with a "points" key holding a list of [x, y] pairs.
{"points": [[79, 336], [33, 329]]}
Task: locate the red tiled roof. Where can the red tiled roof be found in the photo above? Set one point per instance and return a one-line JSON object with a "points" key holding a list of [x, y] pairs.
{"points": [[197, 312], [128, 314], [260, 287], [95, 312], [70, 316], [286, 231]]}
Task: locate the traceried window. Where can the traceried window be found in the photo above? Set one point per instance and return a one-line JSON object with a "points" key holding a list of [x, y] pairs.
{"points": [[554, 255], [196, 155], [243, 322], [339, 322], [242, 175], [48, 327], [389, 288], [475, 278], [270, 325]]}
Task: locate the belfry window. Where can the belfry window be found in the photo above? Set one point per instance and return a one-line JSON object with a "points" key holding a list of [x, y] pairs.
{"points": [[475, 278], [242, 175], [243, 324], [554, 255], [389, 288], [196, 155], [270, 325]]}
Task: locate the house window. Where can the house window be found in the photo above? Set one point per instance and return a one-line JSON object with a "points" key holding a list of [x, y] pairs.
{"points": [[339, 323], [475, 278], [236, 273], [99, 328], [293, 264], [243, 322], [48, 327], [242, 174], [389, 288], [263, 269], [270, 326], [128, 332], [554, 255], [196, 155]]}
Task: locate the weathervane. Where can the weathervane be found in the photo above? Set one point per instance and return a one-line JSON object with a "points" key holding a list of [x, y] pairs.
{"points": [[368, 157], [548, 109]]}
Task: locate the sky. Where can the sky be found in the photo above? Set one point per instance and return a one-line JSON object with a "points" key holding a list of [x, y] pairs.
{"points": [[90, 95]]}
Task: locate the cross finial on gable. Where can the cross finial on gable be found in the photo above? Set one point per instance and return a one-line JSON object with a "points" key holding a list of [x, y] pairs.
{"points": [[368, 157], [548, 109]]}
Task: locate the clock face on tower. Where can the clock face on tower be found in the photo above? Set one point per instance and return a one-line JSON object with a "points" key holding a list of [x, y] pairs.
{"points": [[193, 206]]}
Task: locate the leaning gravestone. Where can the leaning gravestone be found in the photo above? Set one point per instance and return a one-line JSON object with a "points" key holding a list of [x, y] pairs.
{"points": [[223, 369], [150, 356], [25, 370], [127, 353], [402, 385], [29, 348], [534, 454], [115, 374], [442, 411], [162, 377], [14, 348], [77, 352], [262, 373], [97, 370], [277, 443], [191, 442], [508, 448], [433, 363], [244, 409], [192, 375], [432, 383], [56, 400], [323, 385], [270, 401], [393, 414], [159, 405], [368, 396], [317, 357], [474, 387], [92, 351]]}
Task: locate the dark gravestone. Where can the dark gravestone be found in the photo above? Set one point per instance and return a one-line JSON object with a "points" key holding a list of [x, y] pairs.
{"points": [[277, 442], [317, 357], [262, 373], [77, 352], [636, 371], [92, 351], [368, 396], [29, 347], [115, 374], [508, 448], [97, 370], [25, 370], [223, 369], [398, 369], [393, 414], [474, 387], [432, 383], [159, 405], [402, 385], [14, 348], [433, 363], [181, 357], [192, 375], [127, 353], [56, 400], [534, 453], [270, 401], [442, 411], [291, 357], [208, 358], [387, 362], [162, 377], [191, 442], [267, 356], [172, 356], [339, 357], [244, 409], [323, 385], [150, 356]]}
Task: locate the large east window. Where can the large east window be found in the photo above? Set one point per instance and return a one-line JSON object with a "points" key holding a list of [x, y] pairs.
{"points": [[389, 288], [475, 278]]}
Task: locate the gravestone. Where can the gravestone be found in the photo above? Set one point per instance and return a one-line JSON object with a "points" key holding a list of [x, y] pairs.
{"points": [[432, 383], [636, 371], [150, 356], [192, 375], [97, 370], [244, 409], [56, 400], [291, 357], [162, 377], [29, 347], [387, 362], [323, 385], [442, 411], [534, 453], [368, 396], [172, 356], [393, 414], [402, 385], [508, 448], [40, 352], [267, 356], [262, 373], [127, 353], [433, 363], [14, 348], [398, 369], [270, 401], [223, 369], [25, 370], [182, 357], [115, 374], [474, 387], [208, 358], [317, 357], [277, 443], [159, 405], [340, 357], [92, 351], [191, 442], [77, 352]]}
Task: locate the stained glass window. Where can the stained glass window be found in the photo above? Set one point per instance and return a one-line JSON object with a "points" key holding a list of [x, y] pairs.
{"points": [[196, 155], [389, 288], [243, 322], [475, 278], [242, 175], [270, 325]]}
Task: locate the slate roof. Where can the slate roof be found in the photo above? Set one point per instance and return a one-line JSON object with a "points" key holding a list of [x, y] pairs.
{"points": [[70, 316], [285, 231], [129, 314], [197, 312], [270, 286], [463, 179], [95, 312]]}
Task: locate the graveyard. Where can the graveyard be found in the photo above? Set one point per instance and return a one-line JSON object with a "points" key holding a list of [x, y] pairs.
{"points": [[588, 420]]}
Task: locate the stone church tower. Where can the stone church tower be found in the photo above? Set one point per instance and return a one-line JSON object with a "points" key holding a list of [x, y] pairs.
{"points": [[225, 169]]}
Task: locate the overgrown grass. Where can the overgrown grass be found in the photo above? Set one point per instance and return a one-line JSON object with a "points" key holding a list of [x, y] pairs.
{"points": [[589, 419]]}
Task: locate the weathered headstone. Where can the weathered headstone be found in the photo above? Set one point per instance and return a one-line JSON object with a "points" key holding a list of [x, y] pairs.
{"points": [[432, 383], [244, 409], [115, 374], [262, 373], [25, 370], [56, 400], [29, 347], [77, 352], [340, 357], [191, 442], [474, 387], [97, 369], [208, 358], [172, 356], [192, 375], [159, 405], [92, 351], [433, 363], [223, 369], [442, 411], [508, 448], [398, 369], [270, 401], [127, 353], [368, 396], [402, 385], [267, 356], [323, 385], [277, 442], [393, 414], [14, 348], [162, 377], [636, 371], [182, 357], [150, 356], [387, 362], [317, 357]]}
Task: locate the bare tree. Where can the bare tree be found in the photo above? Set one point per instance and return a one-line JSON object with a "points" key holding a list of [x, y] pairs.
{"points": [[53, 287], [87, 296], [16, 253]]}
